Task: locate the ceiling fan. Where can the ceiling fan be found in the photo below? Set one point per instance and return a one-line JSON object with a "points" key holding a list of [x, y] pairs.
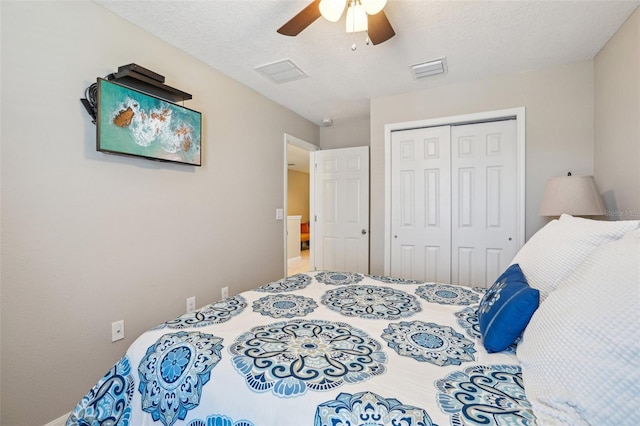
{"points": [[362, 15]]}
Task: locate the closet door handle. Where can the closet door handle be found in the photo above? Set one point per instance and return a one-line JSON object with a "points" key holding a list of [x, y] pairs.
{"points": [[364, 232]]}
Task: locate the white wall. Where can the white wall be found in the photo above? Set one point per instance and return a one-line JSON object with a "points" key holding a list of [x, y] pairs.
{"points": [[559, 129], [89, 238], [617, 121]]}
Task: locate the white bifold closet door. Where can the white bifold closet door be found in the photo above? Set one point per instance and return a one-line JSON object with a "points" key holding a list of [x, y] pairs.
{"points": [[454, 192], [421, 204]]}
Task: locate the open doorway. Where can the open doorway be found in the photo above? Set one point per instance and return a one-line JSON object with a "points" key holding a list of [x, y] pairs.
{"points": [[298, 206]]}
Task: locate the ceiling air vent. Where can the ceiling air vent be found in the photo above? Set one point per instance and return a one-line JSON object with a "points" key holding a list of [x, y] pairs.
{"points": [[281, 71], [426, 69]]}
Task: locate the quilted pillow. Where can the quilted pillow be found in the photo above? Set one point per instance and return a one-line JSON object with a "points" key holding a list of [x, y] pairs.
{"points": [[579, 353], [505, 309], [553, 252]]}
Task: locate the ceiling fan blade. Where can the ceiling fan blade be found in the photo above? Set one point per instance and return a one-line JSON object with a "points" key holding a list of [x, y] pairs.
{"points": [[302, 20], [380, 29]]}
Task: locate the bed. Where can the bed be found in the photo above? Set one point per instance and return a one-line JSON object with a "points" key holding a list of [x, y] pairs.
{"points": [[339, 348]]}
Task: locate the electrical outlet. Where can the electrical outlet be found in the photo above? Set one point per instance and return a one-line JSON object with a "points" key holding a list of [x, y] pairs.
{"points": [[117, 330], [191, 304], [224, 292]]}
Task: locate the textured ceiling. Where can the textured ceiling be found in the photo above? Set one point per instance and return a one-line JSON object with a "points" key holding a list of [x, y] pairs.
{"points": [[479, 39]]}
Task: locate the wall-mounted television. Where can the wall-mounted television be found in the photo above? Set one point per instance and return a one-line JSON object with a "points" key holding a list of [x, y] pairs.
{"points": [[130, 122]]}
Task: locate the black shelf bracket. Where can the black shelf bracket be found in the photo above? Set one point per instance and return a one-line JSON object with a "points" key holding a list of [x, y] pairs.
{"points": [[139, 78], [147, 81]]}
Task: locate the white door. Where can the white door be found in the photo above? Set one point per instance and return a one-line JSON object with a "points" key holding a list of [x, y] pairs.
{"points": [[421, 204], [484, 193], [340, 222], [453, 202]]}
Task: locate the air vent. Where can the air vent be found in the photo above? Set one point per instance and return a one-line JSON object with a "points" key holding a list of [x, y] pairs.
{"points": [[281, 71], [426, 69]]}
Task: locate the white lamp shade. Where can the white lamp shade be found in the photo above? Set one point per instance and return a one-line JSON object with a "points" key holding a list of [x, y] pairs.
{"points": [[574, 195], [373, 6], [356, 18], [332, 10]]}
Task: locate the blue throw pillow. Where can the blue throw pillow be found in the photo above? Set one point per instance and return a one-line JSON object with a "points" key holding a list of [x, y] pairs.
{"points": [[506, 308]]}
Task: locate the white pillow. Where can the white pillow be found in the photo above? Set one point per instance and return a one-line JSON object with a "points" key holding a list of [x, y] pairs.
{"points": [[580, 352], [553, 252]]}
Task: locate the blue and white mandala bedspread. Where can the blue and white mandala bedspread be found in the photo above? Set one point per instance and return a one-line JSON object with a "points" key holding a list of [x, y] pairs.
{"points": [[284, 305], [173, 372], [447, 294], [371, 302], [292, 283], [338, 278], [287, 358], [393, 280], [468, 320], [322, 348], [482, 395], [429, 342], [214, 313], [219, 420], [367, 408], [108, 402]]}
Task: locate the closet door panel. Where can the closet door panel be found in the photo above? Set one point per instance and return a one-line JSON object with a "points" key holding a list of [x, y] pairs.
{"points": [[483, 162], [421, 204]]}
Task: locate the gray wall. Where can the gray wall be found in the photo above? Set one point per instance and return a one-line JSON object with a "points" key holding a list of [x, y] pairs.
{"points": [[617, 121], [559, 129], [346, 133], [88, 238]]}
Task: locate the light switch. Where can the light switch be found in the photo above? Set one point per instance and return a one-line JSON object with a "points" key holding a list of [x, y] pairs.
{"points": [[279, 214]]}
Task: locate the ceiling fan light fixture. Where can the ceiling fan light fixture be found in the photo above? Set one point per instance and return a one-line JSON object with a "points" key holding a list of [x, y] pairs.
{"points": [[331, 10], [376, 25], [356, 17], [373, 6]]}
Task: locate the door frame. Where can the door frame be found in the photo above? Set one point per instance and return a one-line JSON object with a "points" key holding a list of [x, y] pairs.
{"points": [[300, 143], [518, 113]]}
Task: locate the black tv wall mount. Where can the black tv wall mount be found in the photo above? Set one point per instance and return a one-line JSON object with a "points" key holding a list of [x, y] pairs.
{"points": [[139, 78]]}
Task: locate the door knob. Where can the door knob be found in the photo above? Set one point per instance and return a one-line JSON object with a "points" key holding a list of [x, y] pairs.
{"points": [[364, 232]]}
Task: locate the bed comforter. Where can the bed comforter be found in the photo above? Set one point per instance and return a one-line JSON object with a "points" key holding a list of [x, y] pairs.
{"points": [[321, 348]]}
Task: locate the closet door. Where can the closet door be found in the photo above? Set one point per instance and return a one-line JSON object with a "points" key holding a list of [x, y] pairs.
{"points": [[454, 202], [484, 193], [421, 204]]}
